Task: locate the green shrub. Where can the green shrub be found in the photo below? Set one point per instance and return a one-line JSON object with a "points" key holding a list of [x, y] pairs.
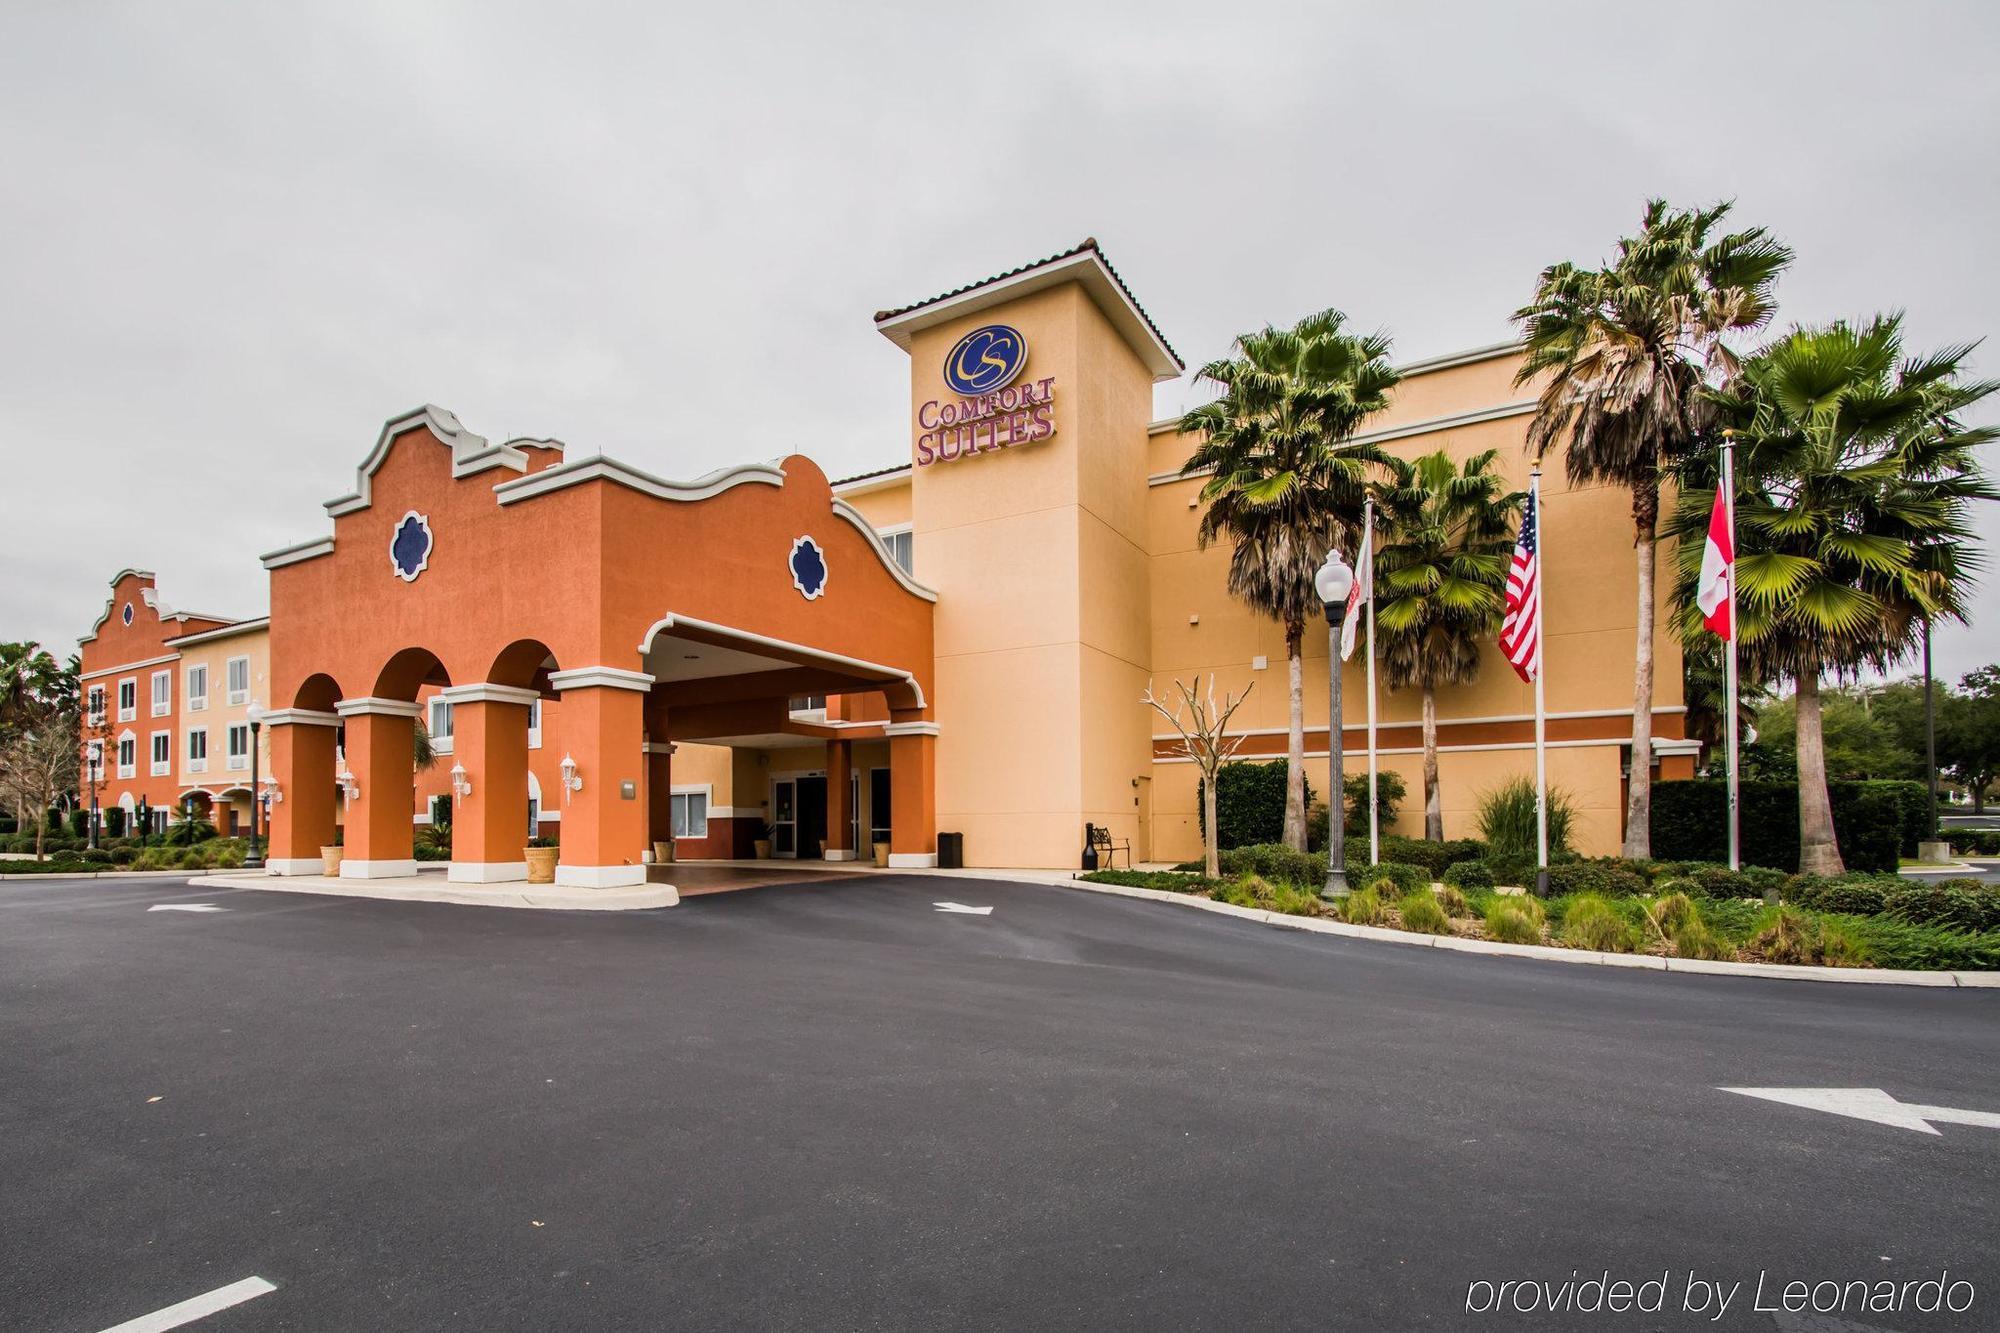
{"points": [[96, 856], [1855, 897], [1515, 919], [1364, 908], [1249, 804], [114, 821], [1840, 947], [1274, 861], [1516, 871], [122, 856], [79, 823], [194, 858], [1172, 881], [1453, 901], [1891, 943], [1722, 882], [1389, 793], [230, 858], [1507, 820], [1468, 875], [1787, 935], [1588, 922], [1405, 878], [1607, 880], [1872, 821], [1695, 940], [1955, 904], [434, 839], [1422, 913], [1673, 912]]}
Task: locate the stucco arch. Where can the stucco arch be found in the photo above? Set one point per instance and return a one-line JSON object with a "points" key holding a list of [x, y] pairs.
{"points": [[524, 664], [407, 672], [317, 693]]}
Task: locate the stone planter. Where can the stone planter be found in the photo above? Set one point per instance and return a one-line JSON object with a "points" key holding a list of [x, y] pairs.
{"points": [[331, 856], [762, 847], [541, 864], [663, 853], [882, 855]]}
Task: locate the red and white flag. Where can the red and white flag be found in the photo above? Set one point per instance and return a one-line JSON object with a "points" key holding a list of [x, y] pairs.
{"points": [[1364, 590], [1718, 571], [1521, 627]]}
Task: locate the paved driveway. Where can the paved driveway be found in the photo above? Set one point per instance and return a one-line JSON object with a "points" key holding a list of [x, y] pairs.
{"points": [[837, 1107]]}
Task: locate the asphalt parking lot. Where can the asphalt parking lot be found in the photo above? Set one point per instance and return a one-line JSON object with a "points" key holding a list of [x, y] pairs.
{"points": [[835, 1106]]}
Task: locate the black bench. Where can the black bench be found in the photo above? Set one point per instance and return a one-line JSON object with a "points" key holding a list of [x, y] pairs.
{"points": [[1100, 838]]}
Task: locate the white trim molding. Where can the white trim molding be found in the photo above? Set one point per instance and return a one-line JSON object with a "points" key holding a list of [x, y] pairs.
{"points": [[370, 704], [912, 860], [600, 877], [210, 635], [486, 872], [469, 453], [606, 677], [838, 854], [909, 729], [868, 530], [600, 468], [818, 656], [486, 692], [300, 717], [292, 555], [129, 666], [350, 869]]}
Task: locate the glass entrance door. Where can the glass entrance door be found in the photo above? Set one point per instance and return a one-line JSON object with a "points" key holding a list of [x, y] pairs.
{"points": [[784, 817]]}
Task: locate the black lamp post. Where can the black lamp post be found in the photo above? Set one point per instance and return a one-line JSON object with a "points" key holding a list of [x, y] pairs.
{"points": [[1334, 581], [255, 860], [96, 761]]}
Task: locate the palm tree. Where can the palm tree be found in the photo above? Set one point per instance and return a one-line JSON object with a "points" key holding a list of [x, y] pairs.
{"points": [[1854, 479], [1438, 580], [1627, 350], [1285, 485]]}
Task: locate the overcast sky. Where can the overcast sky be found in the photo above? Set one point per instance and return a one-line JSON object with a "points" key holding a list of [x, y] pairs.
{"points": [[236, 238]]}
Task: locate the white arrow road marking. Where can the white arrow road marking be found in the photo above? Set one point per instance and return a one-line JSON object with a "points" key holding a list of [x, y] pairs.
{"points": [[186, 907], [962, 910], [196, 1307], [1872, 1104]]}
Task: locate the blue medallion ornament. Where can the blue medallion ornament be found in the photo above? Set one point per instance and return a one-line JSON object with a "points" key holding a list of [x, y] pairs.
{"points": [[986, 359], [808, 565], [128, 613], [410, 547]]}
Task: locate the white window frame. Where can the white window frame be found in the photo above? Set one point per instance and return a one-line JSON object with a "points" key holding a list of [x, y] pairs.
{"points": [[197, 763], [128, 767], [236, 696], [94, 705], [197, 699], [128, 712], [231, 759], [680, 800], [162, 767], [441, 731], [906, 534], [535, 725], [163, 693]]}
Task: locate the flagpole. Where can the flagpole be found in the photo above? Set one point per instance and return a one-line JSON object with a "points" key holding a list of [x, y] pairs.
{"points": [[1729, 721], [1368, 545], [1541, 709]]}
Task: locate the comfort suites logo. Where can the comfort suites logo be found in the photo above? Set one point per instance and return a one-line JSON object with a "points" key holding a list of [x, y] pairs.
{"points": [[992, 412]]}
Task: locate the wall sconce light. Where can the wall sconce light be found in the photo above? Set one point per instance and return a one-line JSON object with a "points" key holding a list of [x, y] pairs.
{"points": [[345, 777], [570, 781], [461, 785], [273, 795]]}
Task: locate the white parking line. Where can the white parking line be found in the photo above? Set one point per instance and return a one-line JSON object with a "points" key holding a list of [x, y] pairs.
{"points": [[196, 1307]]}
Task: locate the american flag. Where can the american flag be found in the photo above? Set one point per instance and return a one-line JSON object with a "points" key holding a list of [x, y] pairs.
{"points": [[1521, 627]]}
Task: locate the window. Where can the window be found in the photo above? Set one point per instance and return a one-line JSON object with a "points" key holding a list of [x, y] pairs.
{"points": [[440, 810], [97, 705], [809, 705], [440, 725], [239, 745], [197, 687], [535, 725], [128, 755], [163, 693], [690, 810], [198, 750], [534, 818], [128, 698], [901, 549], [239, 681], [163, 753]]}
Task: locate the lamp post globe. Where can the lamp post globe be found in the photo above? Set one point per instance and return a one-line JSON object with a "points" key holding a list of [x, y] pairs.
{"points": [[1334, 581], [255, 860]]}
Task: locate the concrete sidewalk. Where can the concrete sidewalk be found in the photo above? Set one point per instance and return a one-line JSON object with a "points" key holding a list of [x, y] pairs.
{"points": [[431, 886]]}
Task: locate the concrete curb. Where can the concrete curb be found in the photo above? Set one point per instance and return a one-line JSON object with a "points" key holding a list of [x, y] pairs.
{"points": [[547, 898], [113, 873], [1547, 953]]}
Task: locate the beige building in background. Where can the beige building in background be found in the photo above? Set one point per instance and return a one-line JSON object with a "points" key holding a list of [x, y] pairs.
{"points": [[222, 673]]}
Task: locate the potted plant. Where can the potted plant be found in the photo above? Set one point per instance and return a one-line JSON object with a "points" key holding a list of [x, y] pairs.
{"points": [[332, 855], [663, 852], [882, 855], [541, 858], [760, 840]]}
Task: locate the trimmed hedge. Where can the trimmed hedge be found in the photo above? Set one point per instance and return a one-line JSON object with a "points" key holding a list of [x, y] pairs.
{"points": [[1871, 819], [1468, 876], [1249, 804]]}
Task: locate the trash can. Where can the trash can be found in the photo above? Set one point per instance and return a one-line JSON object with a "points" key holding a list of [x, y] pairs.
{"points": [[951, 851]]}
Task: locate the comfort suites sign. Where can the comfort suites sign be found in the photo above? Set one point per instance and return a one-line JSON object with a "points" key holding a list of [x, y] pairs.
{"points": [[990, 406]]}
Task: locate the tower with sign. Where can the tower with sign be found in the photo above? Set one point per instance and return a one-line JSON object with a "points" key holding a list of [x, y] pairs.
{"points": [[1030, 394]]}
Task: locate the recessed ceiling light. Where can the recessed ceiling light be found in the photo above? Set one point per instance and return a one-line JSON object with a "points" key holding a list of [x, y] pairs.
{"points": [[690, 657]]}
